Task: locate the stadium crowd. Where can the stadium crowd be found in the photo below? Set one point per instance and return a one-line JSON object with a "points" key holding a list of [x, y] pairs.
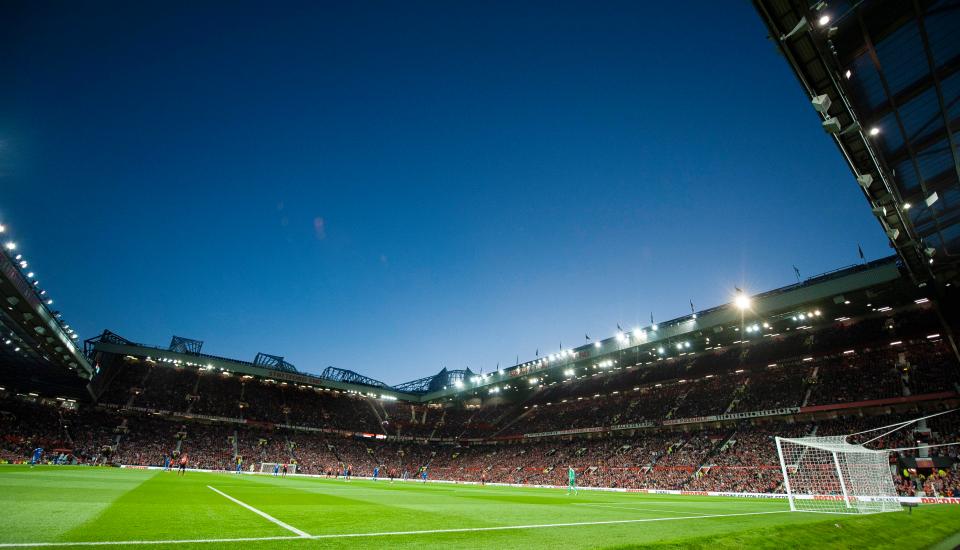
{"points": [[642, 426]]}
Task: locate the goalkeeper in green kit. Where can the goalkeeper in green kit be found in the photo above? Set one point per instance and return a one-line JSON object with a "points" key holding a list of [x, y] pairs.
{"points": [[571, 480]]}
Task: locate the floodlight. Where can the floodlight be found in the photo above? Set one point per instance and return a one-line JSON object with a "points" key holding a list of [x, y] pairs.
{"points": [[824, 19], [932, 198], [874, 131], [2, 228], [742, 301], [10, 245], [597, 344], [865, 180], [893, 233]]}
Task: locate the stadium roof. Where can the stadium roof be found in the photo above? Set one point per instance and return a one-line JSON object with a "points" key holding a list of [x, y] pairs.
{"points": [[867, 289], [186, 352], [37, 348], [872, 288], [885, 77]]}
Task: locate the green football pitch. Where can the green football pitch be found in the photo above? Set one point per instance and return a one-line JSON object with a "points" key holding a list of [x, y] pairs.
{"points": [[103, 507]]}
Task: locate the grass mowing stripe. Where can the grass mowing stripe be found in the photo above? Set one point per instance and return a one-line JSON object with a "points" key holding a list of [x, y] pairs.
{"points": [[138, 542], [632, 508], [260, 513], [384, 533]]}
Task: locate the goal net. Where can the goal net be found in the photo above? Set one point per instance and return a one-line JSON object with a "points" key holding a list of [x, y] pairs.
{"points": [[828, 474], [267, 467]]}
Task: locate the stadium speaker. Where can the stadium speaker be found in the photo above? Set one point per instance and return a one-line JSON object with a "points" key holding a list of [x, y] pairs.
{"points": [[893, 233], [879, 211], [831, 125], [821, 103]]}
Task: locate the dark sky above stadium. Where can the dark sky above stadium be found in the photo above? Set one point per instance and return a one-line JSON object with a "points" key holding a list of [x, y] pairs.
{"points": [[395, 187]]}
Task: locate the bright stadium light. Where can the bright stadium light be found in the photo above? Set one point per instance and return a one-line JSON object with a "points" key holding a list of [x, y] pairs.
{"points": [[30, 275], [2, 228], [654, 327], [824, 19], [10, 245], [874, 131], [458, 383], [597, 344], [49, 302], [742, 301]]}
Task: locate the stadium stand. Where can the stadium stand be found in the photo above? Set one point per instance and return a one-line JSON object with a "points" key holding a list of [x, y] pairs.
{"points": [[693, 404]]}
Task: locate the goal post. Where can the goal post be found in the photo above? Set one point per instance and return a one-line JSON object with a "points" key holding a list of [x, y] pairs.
{"points": [[830, 475], [267, 467]]}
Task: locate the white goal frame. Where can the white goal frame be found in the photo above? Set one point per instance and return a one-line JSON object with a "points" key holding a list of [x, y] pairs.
{"points": [[267, 467], [830, 475]]}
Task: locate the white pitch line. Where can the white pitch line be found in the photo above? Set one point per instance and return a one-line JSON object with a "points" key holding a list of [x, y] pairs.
{"points": [[381, 534], [260, 513]]}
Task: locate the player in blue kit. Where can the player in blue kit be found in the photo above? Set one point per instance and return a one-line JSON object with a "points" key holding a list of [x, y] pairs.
{"points": [[37, 456], [376, 472]]}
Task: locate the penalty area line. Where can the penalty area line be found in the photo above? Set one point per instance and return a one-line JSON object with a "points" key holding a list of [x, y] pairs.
{"points": [[381, 534], [260, 513]]}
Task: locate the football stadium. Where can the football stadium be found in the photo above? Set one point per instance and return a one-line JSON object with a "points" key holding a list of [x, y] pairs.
{"points": [[824, 412]]}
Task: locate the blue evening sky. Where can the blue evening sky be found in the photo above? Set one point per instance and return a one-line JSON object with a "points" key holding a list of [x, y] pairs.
{"points": [[394, 187]]}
